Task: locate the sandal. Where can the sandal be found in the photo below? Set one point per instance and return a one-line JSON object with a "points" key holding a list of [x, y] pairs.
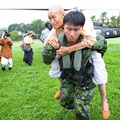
{"points": [[105, 114]]}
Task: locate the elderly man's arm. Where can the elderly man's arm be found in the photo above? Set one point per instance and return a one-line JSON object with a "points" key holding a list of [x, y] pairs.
{"points": [[89, 38], [52, 39]]}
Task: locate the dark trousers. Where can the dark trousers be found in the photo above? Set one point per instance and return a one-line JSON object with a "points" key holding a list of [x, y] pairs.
{"points": [[28, 57]]}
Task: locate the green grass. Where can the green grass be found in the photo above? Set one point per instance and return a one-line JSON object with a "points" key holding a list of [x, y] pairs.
{"points": [[27, 92]]}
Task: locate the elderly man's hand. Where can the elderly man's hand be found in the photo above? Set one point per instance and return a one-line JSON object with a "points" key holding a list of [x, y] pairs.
{"points": [[54, 42], [62, 51]]}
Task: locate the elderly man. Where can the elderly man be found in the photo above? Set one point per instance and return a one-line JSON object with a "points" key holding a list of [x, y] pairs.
{"points": [[56, 14]]}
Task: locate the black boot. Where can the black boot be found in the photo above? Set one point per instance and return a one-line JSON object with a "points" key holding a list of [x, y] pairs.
{"points": [[10, 68], [3, 69]]}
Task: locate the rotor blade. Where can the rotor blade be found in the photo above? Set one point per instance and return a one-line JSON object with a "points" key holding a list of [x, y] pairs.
{"points": [[43, 9], [98, 9]]}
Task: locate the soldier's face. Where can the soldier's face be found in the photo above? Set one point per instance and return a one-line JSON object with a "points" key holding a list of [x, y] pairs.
{"points": [[56, 18], [72, 32]]}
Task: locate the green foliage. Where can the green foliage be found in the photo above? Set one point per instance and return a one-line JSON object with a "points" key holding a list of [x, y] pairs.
{"points": [[27, 92], [15, 36], [93, 18], [118, 21], [37, 26], [1, 31], [106, 22], [113, 21]]}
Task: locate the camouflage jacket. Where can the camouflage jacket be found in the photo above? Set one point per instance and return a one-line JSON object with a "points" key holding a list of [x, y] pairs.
{"points": [[76, 66], [101, 44], [48, 54]]}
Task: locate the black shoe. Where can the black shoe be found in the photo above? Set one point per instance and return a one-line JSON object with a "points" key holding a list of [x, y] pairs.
{"points": [[10, 68], [3, 69]]}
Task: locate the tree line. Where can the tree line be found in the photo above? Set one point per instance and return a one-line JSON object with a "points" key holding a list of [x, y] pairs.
{"points": [[37, 26], [14, 29], [113, 21]]}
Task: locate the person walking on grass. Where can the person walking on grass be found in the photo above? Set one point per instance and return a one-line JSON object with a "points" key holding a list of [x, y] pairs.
{"points": [[6, 50], [56, 15], [76, 86], [45, 32], [28, 55]]}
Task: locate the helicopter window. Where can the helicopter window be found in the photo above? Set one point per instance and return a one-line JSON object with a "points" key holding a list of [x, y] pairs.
{"points": [[98, 31]]}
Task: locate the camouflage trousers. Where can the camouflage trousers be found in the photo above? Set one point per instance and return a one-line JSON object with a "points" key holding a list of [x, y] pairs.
{"points": [[74, 98]]}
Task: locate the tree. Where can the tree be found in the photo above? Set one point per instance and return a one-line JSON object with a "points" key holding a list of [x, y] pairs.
{"points": [[37, 26], [14, 27], [113, 21], [93, 18], [15, 36], [106, 22], [118, 21], [104, 19]]}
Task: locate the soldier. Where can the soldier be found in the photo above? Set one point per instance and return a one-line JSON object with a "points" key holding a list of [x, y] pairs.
{"points": [[76, 86], [56, 14]]}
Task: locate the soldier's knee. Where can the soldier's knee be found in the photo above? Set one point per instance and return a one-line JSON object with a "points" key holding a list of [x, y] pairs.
{"points": [[63, 101], [66, 103]]}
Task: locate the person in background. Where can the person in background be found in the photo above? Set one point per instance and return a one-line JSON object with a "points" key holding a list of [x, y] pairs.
{"points": [[28, 56], [45, 32], [6, 50]]}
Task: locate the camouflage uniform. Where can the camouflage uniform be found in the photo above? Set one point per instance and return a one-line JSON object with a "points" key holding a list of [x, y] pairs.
{"points": [[72, 97], [76, 91], [48, 54], [100, 45]]}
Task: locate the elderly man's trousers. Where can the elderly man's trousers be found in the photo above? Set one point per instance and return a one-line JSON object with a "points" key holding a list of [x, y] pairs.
{"points": [[72, 97]]}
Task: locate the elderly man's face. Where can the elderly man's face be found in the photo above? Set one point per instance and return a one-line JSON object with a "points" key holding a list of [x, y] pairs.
{"points": [[72, 32], [56, 19]]}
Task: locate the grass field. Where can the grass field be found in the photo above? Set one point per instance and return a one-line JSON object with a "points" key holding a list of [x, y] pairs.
{"points": [[27, 92]]}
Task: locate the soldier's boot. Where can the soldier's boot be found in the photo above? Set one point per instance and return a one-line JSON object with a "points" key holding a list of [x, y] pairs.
{"points": [[57, 95]]}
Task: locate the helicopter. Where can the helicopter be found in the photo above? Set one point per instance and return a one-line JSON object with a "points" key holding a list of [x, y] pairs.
{"points": [[107, 32]]}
